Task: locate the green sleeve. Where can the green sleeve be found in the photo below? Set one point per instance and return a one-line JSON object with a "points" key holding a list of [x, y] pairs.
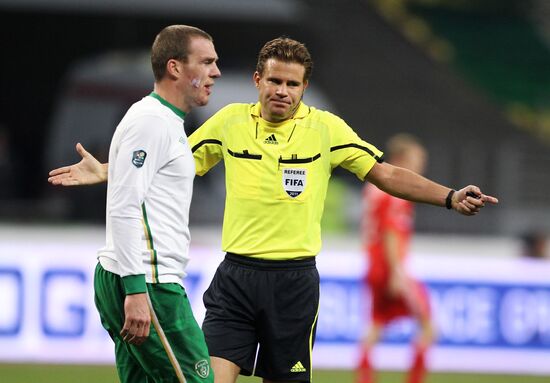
{"points": [[134, 284]]}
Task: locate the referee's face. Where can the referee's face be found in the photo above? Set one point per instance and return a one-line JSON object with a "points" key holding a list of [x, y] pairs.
{"points": [[280, 87]]}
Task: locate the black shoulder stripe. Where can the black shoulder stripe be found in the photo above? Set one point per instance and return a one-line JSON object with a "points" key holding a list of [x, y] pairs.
{"points": [[364, 148], [205, 142]]}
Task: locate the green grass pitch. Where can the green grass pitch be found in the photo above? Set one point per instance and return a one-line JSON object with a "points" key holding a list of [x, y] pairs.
{"points": [[39, 373]]}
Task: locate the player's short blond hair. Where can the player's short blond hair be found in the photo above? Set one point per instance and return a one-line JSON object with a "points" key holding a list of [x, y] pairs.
{"points": [[400, 143]]}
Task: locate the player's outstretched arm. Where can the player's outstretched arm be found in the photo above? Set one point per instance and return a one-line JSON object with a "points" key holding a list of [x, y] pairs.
{"points": [[411, 186], [88, 171]]}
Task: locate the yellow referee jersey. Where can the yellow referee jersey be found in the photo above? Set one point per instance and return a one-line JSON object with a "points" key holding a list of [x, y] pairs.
{"points": [[277, 175]]}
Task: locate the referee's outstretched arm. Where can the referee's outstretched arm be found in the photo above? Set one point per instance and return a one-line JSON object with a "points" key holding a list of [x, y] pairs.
{"points": [[403, 183]]}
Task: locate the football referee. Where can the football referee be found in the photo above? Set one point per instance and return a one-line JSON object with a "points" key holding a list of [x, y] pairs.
{"points": [[262, 304]]}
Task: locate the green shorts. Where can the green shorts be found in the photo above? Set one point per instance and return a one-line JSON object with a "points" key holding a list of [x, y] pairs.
{"points": [[175, 350]]}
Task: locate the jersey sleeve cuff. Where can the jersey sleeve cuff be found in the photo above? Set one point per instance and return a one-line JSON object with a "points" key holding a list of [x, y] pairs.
{"points": [[134, 284]]}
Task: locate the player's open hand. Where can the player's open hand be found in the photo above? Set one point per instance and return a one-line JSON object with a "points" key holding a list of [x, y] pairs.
{"points": [[470, 200], [137, 319], [88, 171]]}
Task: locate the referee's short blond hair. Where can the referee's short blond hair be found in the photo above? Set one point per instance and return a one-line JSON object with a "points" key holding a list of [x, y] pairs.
{"points": [[286, 50]]}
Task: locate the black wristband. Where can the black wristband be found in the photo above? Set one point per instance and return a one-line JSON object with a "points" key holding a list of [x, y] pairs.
{"points": [[449, 199]]}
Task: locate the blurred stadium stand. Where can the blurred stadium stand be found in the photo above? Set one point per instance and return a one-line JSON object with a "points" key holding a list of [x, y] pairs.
{"points": [[451, 75]]}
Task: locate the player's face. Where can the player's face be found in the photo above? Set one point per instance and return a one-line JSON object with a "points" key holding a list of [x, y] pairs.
{"points": [[200, 70], [281, 87]]}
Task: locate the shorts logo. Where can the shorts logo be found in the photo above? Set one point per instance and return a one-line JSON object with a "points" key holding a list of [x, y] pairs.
{"points": [[294, 181], [202, 368], [298, 367], [138, 158]]}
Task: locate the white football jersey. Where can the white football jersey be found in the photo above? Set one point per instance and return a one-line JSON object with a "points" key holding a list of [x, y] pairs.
{"points": [[150, 184]]}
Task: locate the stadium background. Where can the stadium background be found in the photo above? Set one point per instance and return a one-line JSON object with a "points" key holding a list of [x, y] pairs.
{"points": [[470, 78]]}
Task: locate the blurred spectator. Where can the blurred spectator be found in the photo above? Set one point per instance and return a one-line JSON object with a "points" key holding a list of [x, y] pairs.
{"points": [[534, 245]]}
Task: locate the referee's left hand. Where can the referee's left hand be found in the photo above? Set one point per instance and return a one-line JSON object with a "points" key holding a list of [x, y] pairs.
{"points": [[137, 319]]}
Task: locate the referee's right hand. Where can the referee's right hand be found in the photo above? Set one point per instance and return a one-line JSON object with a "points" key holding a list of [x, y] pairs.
{"points": [[137, 319]]}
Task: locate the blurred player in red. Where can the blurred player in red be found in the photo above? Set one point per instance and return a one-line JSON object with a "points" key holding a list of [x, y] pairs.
{"points": [[387, 228]]}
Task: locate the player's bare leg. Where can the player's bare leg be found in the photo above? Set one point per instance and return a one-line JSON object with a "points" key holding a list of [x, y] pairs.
{"points": [[224, 370], [424, 340], [365, 371], [427, 334]]}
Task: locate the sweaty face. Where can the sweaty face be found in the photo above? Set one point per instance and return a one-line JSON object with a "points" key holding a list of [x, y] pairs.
{"points": [[200, 70], [281, 87]]}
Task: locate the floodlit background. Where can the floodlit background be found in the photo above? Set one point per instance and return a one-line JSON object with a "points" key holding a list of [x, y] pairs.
{"points": [[470, 78]]}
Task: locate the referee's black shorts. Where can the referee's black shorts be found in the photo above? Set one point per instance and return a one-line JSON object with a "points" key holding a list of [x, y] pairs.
{"points": [[273, 304]]}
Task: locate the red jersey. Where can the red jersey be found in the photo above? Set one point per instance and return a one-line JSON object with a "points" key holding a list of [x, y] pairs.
{"points": [[383, 211]]}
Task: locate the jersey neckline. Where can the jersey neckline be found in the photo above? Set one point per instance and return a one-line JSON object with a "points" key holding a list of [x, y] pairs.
{"points": [[180, 113]]}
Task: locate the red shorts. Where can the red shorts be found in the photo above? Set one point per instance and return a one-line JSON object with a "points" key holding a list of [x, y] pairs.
{"points": [[385, 307]]}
